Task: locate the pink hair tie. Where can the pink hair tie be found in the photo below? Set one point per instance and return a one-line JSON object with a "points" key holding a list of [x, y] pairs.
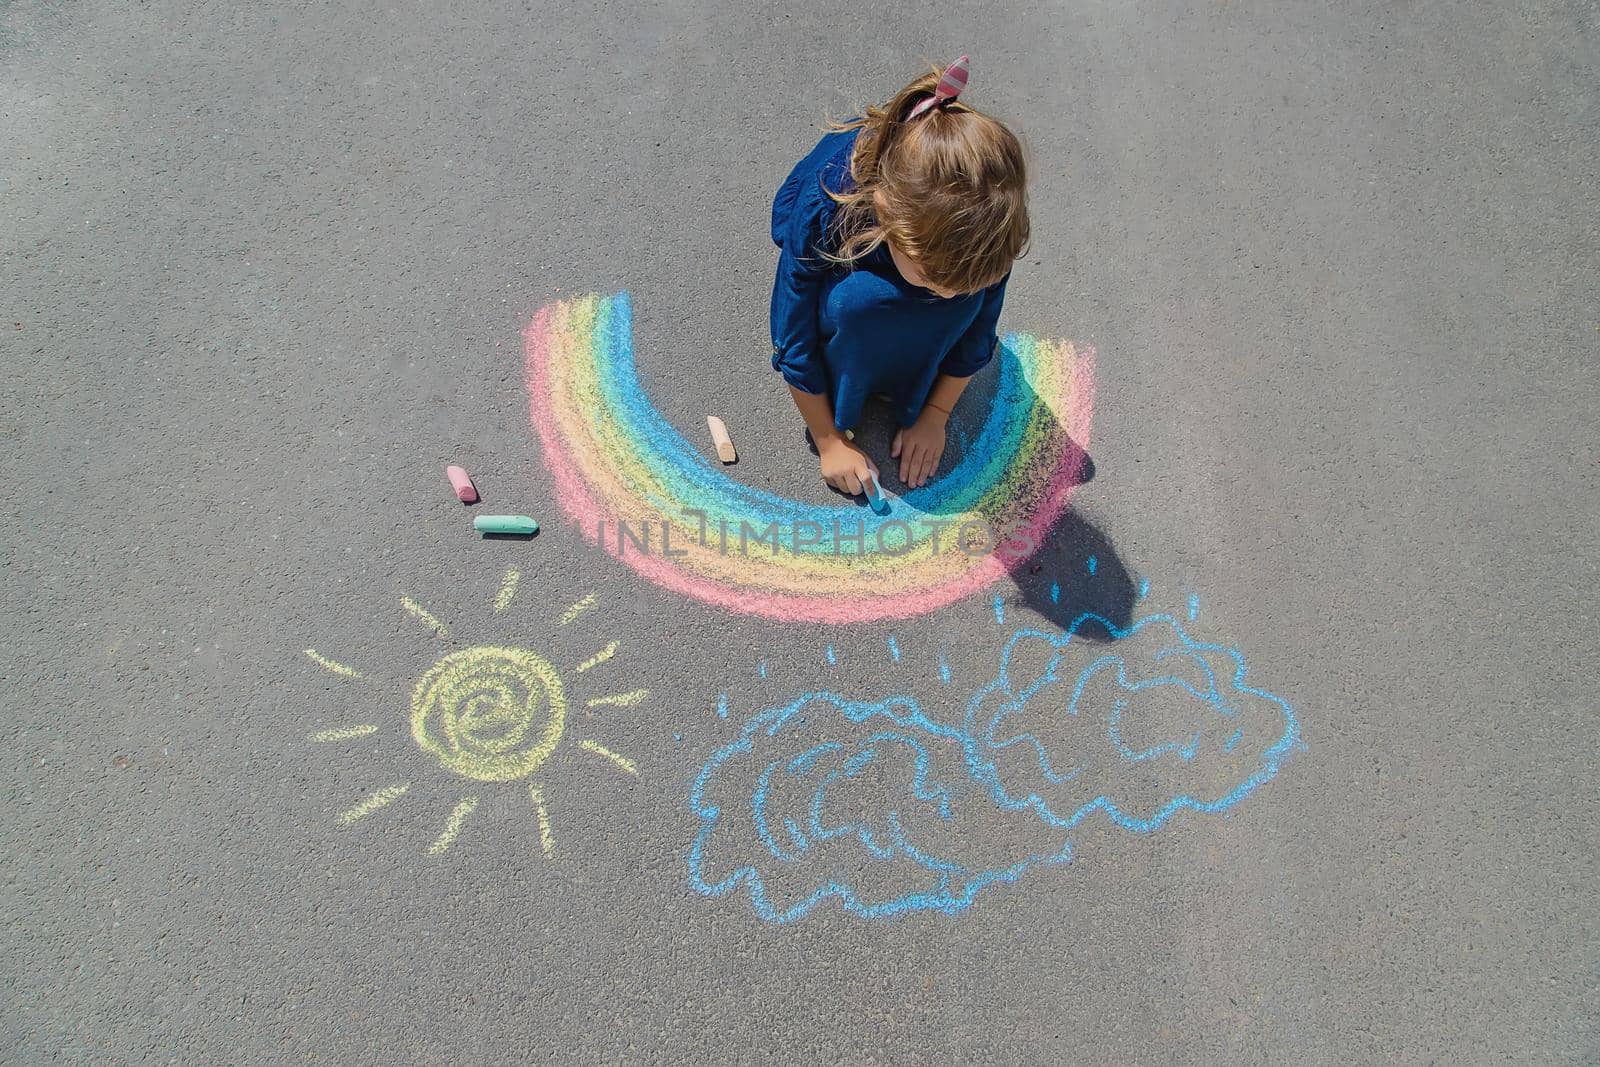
{"points": [[951, 83]]}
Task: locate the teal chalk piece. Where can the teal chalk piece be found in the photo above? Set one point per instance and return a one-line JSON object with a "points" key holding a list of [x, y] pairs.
{"points": [[505, 524]]}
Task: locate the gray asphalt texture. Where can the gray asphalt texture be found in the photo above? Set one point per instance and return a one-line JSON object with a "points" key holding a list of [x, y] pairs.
{"points": [[264, 270]]}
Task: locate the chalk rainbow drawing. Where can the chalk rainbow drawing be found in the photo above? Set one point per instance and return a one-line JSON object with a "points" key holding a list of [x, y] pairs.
{"points": [[883, 809], [615, 459], [487, 714]]}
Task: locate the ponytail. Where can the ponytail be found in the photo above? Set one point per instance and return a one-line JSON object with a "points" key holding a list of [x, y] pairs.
{"points": [[949, 189]]}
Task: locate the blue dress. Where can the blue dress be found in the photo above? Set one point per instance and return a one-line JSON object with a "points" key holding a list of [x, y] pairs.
{"points": [[852, 333]]}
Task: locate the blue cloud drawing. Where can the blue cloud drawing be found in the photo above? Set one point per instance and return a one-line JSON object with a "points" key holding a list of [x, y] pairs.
{"points": [[885, 811], [1153, 724], [831, 798]]}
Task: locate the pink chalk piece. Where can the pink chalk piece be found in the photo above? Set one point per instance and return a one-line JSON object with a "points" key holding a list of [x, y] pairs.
{"points": [[466, 492]]}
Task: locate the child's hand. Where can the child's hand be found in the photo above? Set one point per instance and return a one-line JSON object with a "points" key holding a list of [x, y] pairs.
{"points": [[919, 447], [844, 465]]}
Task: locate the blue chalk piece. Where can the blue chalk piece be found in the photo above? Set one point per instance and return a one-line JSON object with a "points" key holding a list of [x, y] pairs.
{"points": [[1055, 592], [1194, 606], [1094, 564], [894, 648], [677, 737], [875, 496], [832, 657], [999, 610]]}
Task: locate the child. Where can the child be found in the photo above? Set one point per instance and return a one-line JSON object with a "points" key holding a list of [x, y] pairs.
{"points": [[897, 235]]}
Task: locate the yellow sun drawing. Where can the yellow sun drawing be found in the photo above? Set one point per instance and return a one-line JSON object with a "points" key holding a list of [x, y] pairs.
{"points": [[487, 714]]}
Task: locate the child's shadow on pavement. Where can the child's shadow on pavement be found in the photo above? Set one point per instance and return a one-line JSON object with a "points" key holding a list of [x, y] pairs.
{"points": [[1074, 569]]}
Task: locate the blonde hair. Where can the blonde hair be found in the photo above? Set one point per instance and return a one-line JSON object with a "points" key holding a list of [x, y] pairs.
{"points": [[947, 189]]}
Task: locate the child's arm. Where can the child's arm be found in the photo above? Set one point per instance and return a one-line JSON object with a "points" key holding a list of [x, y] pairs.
{"points": [[796, 292], [920, 446], [947, 389], [843, 464]]}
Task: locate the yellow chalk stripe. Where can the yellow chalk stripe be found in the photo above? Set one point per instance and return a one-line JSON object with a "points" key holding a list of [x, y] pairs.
{"points": [[578, 609], [621, 761], [327, 664], [599, 657], [452, 825], [377, 800], [546, 840], [508, 589], [625, 700], [343, 734], [421, 614]]}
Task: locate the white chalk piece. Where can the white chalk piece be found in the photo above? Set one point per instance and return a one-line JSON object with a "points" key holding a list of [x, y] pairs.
{"points": [[719, 434], [461, 482]]}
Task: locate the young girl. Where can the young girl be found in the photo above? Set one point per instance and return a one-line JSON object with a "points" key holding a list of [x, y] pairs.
{"points": [[897, 235]]}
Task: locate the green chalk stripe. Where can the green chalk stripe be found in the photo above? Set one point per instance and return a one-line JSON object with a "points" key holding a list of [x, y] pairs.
{"points": [[505, 524]]}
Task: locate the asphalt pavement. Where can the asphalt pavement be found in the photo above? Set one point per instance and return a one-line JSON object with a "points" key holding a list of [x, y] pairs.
{"points": [[1279, 747]]}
